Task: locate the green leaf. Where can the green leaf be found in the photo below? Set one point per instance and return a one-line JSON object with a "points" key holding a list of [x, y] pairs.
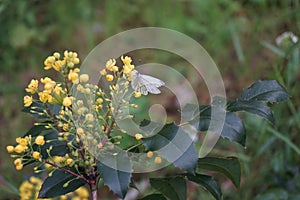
{"points": [[208, 183], [53, 186], [173, 188], [115, 169], [175, 145], [255, 107], [59, 148], [154, 196], [268, 91], [233, 128], [230, 167]]}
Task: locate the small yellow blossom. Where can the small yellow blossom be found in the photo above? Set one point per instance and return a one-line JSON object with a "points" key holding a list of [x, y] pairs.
{"points": [[67, 101], [73, 75], [18, 161], [58, 90], [19, 167], [100, 100], [45, 96], [150, 154], [83, 78], [65, 126], [49, 62], [137, 94], [20, 149], [69, 161], [127, 69], [109, 77], [80, 131], [138, 136], [32, 86], [48, 84], [22, 141], [58, 65], [103, 72], [10, 149], [157, 160], [59, 159], [110, 64], [89, 117], [36, 155], [35, 180], [127, 60], [27, 100], [39, 140]]}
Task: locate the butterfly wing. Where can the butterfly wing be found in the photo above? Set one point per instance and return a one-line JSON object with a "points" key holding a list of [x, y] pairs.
{"points": [[144, 84]]}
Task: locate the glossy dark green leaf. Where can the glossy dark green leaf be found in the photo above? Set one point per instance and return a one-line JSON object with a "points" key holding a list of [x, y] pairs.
{"points": [[268, 91], [53, 186], [255, 107], [175, 145], [173, 188], [154, 197], [230, 167], [59, 148], [115, 169], [233, 128], [208, 183]]}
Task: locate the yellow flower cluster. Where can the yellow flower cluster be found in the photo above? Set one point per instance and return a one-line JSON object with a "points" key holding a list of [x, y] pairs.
{"points": [[70, 59], [29, 189], [111, 66]]}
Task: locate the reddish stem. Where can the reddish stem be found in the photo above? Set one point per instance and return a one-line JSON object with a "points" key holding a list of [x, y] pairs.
{"points": [[67, 171]]}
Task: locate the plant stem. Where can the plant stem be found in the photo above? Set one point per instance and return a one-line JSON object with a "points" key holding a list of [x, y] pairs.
{"points": [[94, 194]]}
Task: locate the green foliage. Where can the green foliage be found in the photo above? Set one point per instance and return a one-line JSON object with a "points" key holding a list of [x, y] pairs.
{"points": [[172, 188], [115, 169], [230, 167], [60, 183]]}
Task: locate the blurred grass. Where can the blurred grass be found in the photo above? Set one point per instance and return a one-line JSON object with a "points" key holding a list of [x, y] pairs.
{"points": [[237, 35]]}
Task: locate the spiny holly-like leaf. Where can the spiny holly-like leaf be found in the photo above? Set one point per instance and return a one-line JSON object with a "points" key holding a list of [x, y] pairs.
{"points": [[39, 109], [37, 129], [154, 196], [173, 188], [208, 183], [175, 145], [255, 107], [55, 186], [268, 91], [115, 169], [230, 167]]}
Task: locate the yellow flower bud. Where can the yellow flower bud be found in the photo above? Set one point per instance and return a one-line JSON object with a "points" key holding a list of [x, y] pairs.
{"points": [[127, 60], [103, 72], [10, 149], [19, 148], [83, 78], [36, 155], [18, 161], [138, 136], [39, 140], [32, 86], [67, 101], [27, 100], [149, 154], [56, 55], [80, 131], [137, 94], [19, 167], [65, 126], [157, 160], [69, 161], [109, 77]]}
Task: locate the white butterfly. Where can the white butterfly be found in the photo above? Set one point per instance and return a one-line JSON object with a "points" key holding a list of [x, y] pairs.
{"points": [[144, 83]]}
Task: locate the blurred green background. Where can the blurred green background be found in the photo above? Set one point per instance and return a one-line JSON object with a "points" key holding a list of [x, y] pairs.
{"points": [[239, 36]]}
